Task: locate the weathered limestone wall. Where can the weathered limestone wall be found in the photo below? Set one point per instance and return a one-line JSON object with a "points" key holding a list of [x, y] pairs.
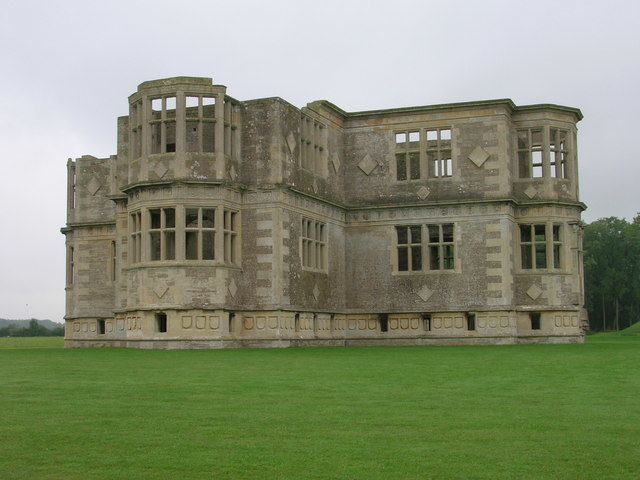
{"points": [[276, 166]]}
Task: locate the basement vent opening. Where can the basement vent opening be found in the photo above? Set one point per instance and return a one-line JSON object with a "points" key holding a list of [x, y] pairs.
{"points": [[232, 317], [471, 321], [161, 322], [384, 322], [426, 322], [535, 320]]}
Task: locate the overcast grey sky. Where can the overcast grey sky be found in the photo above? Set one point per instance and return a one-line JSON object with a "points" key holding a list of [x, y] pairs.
{"points": [[68, 68]]}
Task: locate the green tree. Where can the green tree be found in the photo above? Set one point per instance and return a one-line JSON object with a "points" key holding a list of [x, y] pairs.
{"points": [[611, 266]]}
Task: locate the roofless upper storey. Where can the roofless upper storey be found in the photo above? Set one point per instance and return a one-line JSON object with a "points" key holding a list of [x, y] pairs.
{"points": [[225, 223], [187, 128]]}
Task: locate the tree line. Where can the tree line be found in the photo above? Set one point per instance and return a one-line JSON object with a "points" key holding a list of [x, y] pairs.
{"points": [[612, 272], [34, 329]]}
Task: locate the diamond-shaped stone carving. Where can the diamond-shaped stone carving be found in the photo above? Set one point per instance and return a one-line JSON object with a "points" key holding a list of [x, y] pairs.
{"points": [[232, 173], [367, 164], [478, 156], [316, 292], [423, 192], [291, 142], [531, 191], [335, 161], [160, 170], [233, 288], [534, 291], [564, 188], [94, 185], [160, 290], [424, 293], [315, 185]]}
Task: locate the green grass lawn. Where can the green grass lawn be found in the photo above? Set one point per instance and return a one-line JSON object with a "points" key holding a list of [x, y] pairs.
{"points": [[508, 412]]}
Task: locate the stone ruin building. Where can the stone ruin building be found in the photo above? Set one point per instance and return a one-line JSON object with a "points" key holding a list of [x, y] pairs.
{"points": [[226, 223]]}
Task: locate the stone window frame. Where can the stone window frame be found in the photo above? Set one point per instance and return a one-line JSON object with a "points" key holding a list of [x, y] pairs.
{"points": [[201, 230], [431, 157], [164, 122], [136, 114], [201, 120], [438, 147], [407, 155], [135, 236], [313, 145], [164, 230], [228, 238], [230, 229], [231, 145], [549, 156], [426, 249], [409, 248], [553, 247], [71, 266], [113, 258], [313, 245], [441, 245]]}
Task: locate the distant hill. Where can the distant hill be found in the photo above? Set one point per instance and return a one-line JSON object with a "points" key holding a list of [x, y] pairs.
{"points": [[25, 323]]}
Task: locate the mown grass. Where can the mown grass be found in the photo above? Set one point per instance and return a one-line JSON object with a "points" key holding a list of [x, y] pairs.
{"points": [[509, 412], [30, 342]]}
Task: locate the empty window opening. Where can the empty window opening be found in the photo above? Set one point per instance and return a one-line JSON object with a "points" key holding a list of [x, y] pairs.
{"points": [[101, 327], [162, 234], [537, 155], [471, 321], [384, 322], [438, 152], [232, 317], [191, 102], [535, 242], [314, 245], [557, 246], [135, 227], [535, 320], [409, 248], [162, 125], [156, 104], [315, 322], [72, 183], [161, 322], [313, 145], [200, 233], [408, 156], [558, 152], [70, 266], [296, 322], [441, 247], [426, 322], [112, 263], [230, 236]]}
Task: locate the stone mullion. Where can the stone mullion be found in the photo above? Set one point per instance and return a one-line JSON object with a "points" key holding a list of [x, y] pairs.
{"points": [[180, 233], [219, 135]]}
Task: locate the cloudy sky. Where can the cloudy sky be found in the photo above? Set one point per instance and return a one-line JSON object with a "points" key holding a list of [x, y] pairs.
{"points": [[68, 68]]}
